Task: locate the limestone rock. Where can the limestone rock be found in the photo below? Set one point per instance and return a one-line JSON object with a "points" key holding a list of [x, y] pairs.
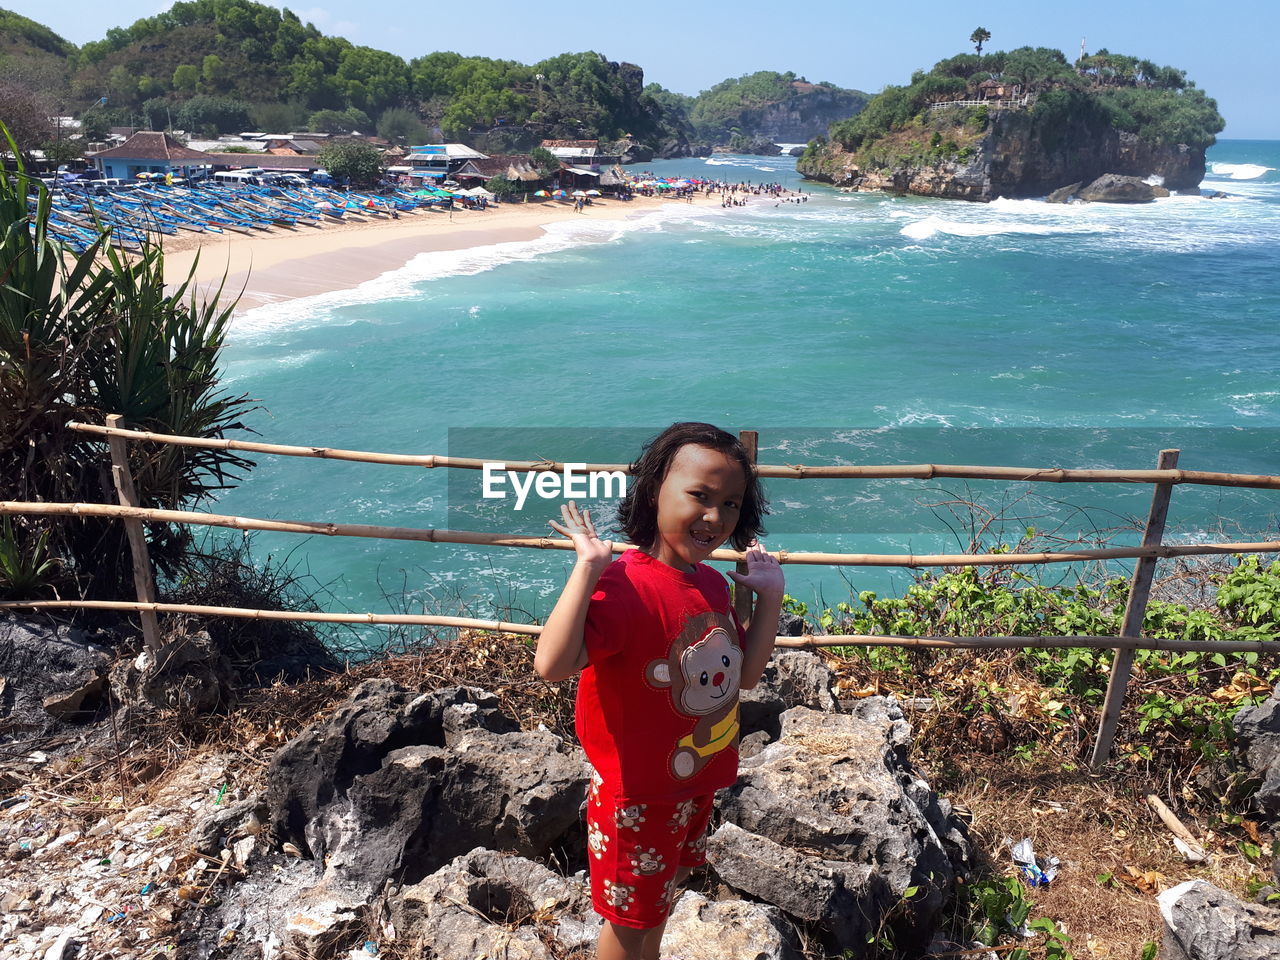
{"points": [[188, 673], [793, 678], [496, 905], [1257, 731], [702, 929], [1202, 922], [397, 784], [841, 897], [840, 787], [1114, 188], [1064, 194]]}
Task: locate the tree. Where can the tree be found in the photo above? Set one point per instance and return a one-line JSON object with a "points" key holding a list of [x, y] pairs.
{"points": [[215, 114], [979, 37], [353, 161], [26, 112], [213, 70], [397, 123], [546, 161], [339, 121], [185, 78]]}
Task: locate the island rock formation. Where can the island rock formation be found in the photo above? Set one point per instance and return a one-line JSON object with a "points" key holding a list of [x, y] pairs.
{"points": [[1017, 156]]}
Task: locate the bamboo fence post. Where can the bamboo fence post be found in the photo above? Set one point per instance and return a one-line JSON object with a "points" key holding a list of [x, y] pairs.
{"points": [[742, 595], [1135, 612], [142, 579]]}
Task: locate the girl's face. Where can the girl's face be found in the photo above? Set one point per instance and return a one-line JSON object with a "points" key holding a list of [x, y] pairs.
{"points": [[698, 506]]}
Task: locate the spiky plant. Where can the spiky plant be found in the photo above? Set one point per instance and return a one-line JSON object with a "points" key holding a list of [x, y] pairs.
{"points": [[90, 334]]}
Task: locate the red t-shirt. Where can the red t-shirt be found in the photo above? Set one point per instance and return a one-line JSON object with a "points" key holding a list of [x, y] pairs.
{"points": [[657, 709]]}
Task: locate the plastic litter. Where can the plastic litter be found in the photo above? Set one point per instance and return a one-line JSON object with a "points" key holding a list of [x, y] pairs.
{"points": [[13, 801], [1035, 871], [147, 889], [371, 948], [222, 792]]}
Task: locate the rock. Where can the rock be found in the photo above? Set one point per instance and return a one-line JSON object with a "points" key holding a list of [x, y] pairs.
{"points": [[496, 905], [227, 824], [790, 625], [792, 678], [796, 152], [1257, 738], [1064, 194], [1160, 191], [188, 673], [53, 673], [840, 786], [318, 929], [843, 898], [702, 929], [1202, 922], [1115, 188], [396, 783]]}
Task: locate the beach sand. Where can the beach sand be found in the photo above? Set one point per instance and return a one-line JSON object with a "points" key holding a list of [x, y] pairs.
{"points": [[304, 261]]}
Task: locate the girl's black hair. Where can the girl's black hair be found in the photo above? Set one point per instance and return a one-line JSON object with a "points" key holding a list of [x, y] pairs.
{"points": [[638, 512]]}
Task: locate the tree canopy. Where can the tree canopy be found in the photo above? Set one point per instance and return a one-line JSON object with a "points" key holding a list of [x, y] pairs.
{"points": [[1133, 95]]}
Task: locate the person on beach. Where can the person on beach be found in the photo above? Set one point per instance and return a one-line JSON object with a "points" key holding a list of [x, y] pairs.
{"points": [[662, 657]]}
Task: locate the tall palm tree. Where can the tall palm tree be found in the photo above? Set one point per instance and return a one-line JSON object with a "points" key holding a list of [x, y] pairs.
{"points": [[978, 38]]}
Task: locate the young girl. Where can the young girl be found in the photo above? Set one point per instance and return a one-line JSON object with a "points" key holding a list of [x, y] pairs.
{"points": [[662, 657]]}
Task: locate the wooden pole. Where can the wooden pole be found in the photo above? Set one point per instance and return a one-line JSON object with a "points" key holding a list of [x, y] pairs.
{"points": [[742, 595], [775, 471], [1135, 612], [143, 581], [431, 535]]}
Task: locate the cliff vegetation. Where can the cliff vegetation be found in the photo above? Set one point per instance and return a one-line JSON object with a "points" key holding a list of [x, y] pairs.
{"points": [[1105, 113]]}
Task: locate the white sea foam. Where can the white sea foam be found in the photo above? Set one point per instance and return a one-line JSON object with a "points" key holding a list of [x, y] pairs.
{"points": [[1239, 171], [932, 226]]}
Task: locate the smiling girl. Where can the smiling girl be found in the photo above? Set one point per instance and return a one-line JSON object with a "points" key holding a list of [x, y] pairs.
{"points": [[662, 657]]}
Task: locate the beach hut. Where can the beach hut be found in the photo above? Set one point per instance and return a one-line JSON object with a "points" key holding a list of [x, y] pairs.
{"points": [[150, 151]]}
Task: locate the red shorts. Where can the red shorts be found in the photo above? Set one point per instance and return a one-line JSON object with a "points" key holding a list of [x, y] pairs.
{"points": [[634, 850]]}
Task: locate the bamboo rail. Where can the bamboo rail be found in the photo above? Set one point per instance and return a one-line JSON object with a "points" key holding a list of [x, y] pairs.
{"points": [[917, 471], [529, 629], [436, 535]]}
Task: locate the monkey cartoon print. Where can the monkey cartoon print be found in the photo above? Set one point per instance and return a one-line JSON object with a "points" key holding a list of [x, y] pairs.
{"points": [[701, 673]]}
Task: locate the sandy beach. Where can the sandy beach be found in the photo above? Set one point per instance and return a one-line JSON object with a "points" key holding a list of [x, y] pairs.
{"points": [[304, 261]]}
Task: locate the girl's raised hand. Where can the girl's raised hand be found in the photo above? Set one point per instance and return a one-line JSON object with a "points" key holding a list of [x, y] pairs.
{"points": [[577, 526], [764, 572]]}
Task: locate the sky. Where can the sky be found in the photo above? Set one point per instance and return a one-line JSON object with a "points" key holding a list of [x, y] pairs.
{"points": [[1228, 51]]}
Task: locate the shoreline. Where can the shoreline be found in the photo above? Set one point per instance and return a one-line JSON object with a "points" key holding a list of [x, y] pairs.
{"points": [[289, 264]]}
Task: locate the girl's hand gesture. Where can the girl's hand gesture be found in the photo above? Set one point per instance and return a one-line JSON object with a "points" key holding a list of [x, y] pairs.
{"points": [[578, 527], [764, 573]]}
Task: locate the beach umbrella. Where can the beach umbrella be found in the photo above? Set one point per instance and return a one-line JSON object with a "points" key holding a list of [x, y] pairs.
{"points": [[579, 193], [560, 193], [541, 193], [593, 193]]}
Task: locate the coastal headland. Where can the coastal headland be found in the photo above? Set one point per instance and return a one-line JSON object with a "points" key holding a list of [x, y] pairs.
{"points": [[304, 261]]}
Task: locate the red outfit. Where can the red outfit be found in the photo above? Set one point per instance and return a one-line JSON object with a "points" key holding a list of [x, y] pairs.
{"points": [[657, 714]]}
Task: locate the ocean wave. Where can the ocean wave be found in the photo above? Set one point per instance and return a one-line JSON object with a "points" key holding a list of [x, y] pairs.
{"points": [[932, 226], [1239, 171]]}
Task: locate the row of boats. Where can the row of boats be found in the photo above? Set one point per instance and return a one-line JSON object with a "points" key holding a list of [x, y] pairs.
{"points": [[143, 212]]}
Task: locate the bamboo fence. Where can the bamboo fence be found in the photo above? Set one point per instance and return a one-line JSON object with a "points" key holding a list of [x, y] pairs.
{"points": [[1163, 478]]}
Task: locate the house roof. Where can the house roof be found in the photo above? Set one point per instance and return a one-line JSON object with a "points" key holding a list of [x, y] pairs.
{"points": [[513, 166], [152, 145], [267, 161], [572, 144]]}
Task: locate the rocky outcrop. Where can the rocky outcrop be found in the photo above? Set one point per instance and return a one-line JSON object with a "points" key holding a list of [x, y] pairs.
{"points": [[1019, 155], [397, 783], [674, 149], [49, 674], [1257, 731], [806, 114], [1115, 188], [1203, 922], [879, 828], [422, 816]]}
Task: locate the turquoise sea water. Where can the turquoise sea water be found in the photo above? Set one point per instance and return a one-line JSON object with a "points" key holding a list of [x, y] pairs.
{"points": [[853, 328]]}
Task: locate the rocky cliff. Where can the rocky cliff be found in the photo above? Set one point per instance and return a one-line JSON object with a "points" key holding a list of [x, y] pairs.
{"points": [[1021, 153], [806, 114]]}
